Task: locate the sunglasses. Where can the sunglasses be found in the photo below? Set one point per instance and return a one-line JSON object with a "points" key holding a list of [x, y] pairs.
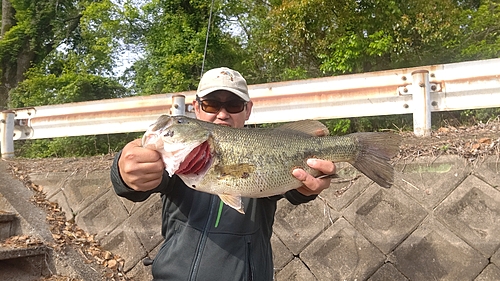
{"points": [[214, 106]]}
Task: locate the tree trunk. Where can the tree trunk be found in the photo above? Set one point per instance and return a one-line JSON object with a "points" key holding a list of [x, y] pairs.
{"points": [[7, 22], [7, 17], [12, 69]]}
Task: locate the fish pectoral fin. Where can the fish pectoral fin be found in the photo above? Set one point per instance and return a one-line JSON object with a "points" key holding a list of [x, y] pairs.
{"points": [[233, 202]]}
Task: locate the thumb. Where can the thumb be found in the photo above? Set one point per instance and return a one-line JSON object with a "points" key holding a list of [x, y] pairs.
{"points": [[300, 174]]}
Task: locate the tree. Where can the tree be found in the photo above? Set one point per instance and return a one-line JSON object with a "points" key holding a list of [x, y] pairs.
{"points": [[55, 51], [173, 36], [481, 28], [60, 51], [312, 38]]}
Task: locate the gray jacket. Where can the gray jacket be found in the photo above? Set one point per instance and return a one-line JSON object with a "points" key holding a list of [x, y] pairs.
{"points": [[207, 240]]}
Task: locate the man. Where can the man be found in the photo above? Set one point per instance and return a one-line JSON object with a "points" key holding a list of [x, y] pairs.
{"points": [[205, 239]]}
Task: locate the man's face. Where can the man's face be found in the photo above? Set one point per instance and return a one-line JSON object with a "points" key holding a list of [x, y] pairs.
{"points": [[236, 120]]}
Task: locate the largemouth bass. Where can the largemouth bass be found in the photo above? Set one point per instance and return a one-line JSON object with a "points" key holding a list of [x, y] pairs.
{"points": [[252, 162]]}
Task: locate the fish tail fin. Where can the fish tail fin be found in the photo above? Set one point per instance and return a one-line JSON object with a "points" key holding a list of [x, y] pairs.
{"points": [[373, 160]]}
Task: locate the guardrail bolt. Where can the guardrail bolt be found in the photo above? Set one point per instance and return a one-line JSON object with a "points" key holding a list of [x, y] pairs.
{"points": [[403, 78], [433, 87], [406, 105], [434, 103]]}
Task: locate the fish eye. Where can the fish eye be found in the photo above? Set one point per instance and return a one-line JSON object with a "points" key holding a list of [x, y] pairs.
{"points": [[182, 121]]}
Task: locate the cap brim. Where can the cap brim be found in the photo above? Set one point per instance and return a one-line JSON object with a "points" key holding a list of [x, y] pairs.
{"points": [[240, 94]]}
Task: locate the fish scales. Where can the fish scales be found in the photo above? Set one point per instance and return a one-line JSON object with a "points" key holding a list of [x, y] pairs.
{"points": [[266, 160], [253, 162]]}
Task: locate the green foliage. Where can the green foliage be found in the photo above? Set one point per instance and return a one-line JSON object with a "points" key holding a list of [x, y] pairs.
{"points": [[338, 126], [65, 88], [464, 117], [72, 60], [345, 54], [474, 116], [99, 44], [174, 35], [370, 124], [11, 43], [482, 31], [327, 37], [60, 51]]}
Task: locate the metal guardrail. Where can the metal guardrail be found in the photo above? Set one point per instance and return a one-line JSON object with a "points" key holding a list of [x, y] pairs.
{"points": [[417, 91]]}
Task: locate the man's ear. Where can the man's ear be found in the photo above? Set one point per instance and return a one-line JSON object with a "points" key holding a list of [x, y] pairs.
{"points": [[249, 109], [196, 108]]}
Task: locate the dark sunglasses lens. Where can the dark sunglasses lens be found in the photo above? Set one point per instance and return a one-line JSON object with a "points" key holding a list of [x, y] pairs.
{"points": [[235, 106], [214, 106], [210, 106]]}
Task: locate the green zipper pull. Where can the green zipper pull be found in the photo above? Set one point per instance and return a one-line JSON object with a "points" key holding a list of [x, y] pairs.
{"points": [[219, 213]]}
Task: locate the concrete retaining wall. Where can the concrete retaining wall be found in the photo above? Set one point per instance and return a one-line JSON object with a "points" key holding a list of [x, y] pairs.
{"points": [[440, 221]]}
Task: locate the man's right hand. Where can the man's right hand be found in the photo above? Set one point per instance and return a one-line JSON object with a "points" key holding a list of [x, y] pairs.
{"points": [[140, 168]]}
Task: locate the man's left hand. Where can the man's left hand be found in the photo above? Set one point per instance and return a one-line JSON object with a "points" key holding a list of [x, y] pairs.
{"points": [[314, 185]]}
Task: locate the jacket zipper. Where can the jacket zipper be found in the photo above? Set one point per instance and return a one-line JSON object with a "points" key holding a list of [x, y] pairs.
{"points": [[250, 263], [203, 240]]}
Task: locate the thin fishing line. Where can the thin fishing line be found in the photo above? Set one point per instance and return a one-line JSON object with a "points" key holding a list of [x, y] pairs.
{"points": [[206, 38]]}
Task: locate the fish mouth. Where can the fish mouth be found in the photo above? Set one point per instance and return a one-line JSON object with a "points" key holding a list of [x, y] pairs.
{"points": [[185, 158], [151, 141]]}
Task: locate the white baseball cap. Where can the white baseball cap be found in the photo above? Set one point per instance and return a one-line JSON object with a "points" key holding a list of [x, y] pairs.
{"points": [[223, 78]]}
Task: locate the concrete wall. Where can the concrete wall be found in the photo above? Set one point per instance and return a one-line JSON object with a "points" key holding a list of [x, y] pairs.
{"points": [[440, 221]]}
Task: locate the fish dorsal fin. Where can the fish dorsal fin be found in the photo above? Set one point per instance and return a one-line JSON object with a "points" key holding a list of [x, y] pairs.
{"points": [[233, 201], [309, 127]]}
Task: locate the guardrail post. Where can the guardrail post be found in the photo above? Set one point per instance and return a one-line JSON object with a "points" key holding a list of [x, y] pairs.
{"points": [[178, 105], [7, 130], [421, 97]]}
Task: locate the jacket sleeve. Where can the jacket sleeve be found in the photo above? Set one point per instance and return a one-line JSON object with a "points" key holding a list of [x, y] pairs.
{"points": [[125, 191], [297, 198]]}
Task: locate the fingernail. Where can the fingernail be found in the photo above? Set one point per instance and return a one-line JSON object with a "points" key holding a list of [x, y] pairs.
{"points": [[298, 173], [311, 161]]}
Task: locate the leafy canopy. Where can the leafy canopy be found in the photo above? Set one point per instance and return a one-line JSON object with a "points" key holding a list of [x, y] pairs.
{"points": [[68, 51]]}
